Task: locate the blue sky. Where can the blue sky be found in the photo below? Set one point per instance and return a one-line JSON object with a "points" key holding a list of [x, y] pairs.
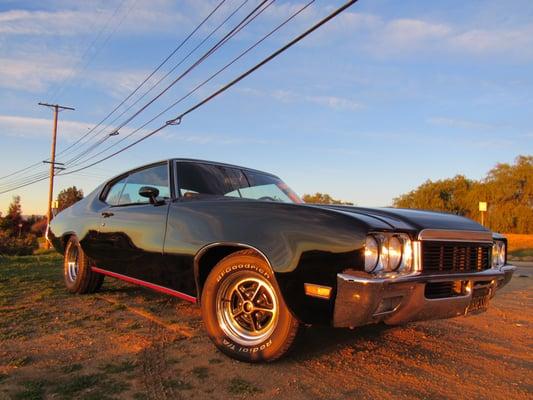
{"points": [[386, 96]]}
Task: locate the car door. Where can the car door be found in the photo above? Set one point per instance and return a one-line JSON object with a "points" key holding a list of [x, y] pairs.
{"points": [[132, 228]]}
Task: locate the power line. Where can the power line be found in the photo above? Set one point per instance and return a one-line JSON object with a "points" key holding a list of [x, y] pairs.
{"points": [[252, 15], [180, 45], [194, 65], [24, 185], [79, 67], [247, 20], [58, 89], [20, 170], [178, 119], [169, 72], [62, 152]]}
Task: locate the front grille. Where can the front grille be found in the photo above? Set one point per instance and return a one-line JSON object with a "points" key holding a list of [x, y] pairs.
{"points": [[455, 256]]}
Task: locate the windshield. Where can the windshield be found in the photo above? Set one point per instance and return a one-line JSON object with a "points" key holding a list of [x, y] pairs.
{"points": [[197, 180]]}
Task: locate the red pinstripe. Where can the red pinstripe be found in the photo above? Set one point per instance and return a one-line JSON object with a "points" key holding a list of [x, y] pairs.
{"points": [[149, 285]]}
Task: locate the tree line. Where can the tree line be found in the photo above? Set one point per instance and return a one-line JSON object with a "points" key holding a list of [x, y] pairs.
{"points": [[18, 234], [507, 189]]}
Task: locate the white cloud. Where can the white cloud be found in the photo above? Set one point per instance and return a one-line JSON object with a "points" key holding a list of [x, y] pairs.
{"points": [[23, 22], [407, 35], [401, 34], [516, 42], [132, 16], [465, 124], [68, 131], [32, 76], [333, 102], [36, 72], [210, 138], [120, 83], [27, 127], [392, 37]]}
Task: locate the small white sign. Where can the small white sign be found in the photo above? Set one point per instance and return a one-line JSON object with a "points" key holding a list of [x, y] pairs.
{"points": [[482, 206]]}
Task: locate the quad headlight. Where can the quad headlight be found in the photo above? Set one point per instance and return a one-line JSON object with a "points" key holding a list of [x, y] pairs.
{"points": [[371, 253], [498, 254], [386, 252]]}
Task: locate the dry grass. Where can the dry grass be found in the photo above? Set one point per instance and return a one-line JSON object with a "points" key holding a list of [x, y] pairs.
{"points": [[87, 347], [519, 241]]}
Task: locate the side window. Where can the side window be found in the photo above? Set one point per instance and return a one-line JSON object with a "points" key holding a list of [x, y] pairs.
{"points": [[196, 179], [113, 195], [154, 176]]}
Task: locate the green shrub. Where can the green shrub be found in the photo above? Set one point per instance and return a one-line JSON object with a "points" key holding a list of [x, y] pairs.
{"points": [[15, 246]]}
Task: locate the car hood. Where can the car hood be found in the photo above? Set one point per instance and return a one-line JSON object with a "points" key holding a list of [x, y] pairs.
{"points": [[409, 220]]}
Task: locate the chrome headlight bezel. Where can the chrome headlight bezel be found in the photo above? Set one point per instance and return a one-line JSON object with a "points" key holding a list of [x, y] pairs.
{"points": [[499, 253], [395, 253], [372, 249]]}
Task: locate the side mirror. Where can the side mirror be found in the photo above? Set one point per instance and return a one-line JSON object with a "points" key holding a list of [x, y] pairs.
{"points": [[150, 193]]}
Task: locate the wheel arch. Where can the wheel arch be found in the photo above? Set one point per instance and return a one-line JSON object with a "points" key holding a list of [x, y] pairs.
{"points": [[61, 243], [208, 256]]}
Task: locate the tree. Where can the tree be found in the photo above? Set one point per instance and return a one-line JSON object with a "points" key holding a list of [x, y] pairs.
{"points": [[323, 198], [38, 227], [448, 195], [13, 219], [68, 197], [508, 190]]}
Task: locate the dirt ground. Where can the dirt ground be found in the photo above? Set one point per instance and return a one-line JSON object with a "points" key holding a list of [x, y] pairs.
{"points": [[129, 343]]}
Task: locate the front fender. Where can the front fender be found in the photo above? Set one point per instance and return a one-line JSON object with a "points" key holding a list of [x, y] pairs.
{"points": [[302, 244]]}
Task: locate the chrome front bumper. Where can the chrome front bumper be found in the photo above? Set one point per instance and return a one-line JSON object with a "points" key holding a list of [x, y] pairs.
{"points": [[363, 299]]}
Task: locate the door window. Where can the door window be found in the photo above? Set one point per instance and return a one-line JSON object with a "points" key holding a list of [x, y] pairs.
{"points": [[154, 176], [126, 190], [113, 194]]}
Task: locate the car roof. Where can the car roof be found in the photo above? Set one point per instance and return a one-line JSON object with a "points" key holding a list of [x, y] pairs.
{"points": [[222, 164], [193, 160]]}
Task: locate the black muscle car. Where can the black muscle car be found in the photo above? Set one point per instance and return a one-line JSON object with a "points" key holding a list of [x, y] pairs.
{"points": [[261, 262]]}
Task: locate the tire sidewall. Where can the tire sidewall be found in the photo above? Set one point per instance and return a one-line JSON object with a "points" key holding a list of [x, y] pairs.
{"points": [[275, 344], [76, 286]]}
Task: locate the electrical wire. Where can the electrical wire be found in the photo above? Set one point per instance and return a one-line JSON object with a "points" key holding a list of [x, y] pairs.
{"points": [[23, 185], [21, 170], [247, 20], [178, 119], [219, 44], [180, 45], [218, 92], [148, 77], [170, 71], [194, 65], [79, 68]]}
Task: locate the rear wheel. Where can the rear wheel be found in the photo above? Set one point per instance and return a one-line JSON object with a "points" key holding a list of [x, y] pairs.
{"points": [[243, 311], [78, 275]]}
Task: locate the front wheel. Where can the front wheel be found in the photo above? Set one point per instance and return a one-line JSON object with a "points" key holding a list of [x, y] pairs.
{"points": [[244, 313], [78, 275]]}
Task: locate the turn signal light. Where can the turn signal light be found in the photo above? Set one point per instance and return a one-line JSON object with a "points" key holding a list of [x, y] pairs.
{"points": [[323, 292]]}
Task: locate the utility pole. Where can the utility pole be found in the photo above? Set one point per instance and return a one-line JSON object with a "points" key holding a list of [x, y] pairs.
{"points": [[52, 161]]}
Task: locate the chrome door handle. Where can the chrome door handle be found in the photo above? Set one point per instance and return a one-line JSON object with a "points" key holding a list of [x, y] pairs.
{"points": [[107, 214]]}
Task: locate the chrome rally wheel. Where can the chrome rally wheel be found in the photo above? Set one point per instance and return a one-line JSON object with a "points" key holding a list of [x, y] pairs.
{"points": [[243, 310], [247, 309], [78, 275], [72, 264]]}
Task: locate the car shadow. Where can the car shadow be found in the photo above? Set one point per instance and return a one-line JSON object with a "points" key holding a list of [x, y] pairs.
{"points": [[311, 343], [314, 341]]}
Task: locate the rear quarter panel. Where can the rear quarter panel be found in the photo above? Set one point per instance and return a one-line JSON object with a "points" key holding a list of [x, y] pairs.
{"points": [[81, 219]]}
